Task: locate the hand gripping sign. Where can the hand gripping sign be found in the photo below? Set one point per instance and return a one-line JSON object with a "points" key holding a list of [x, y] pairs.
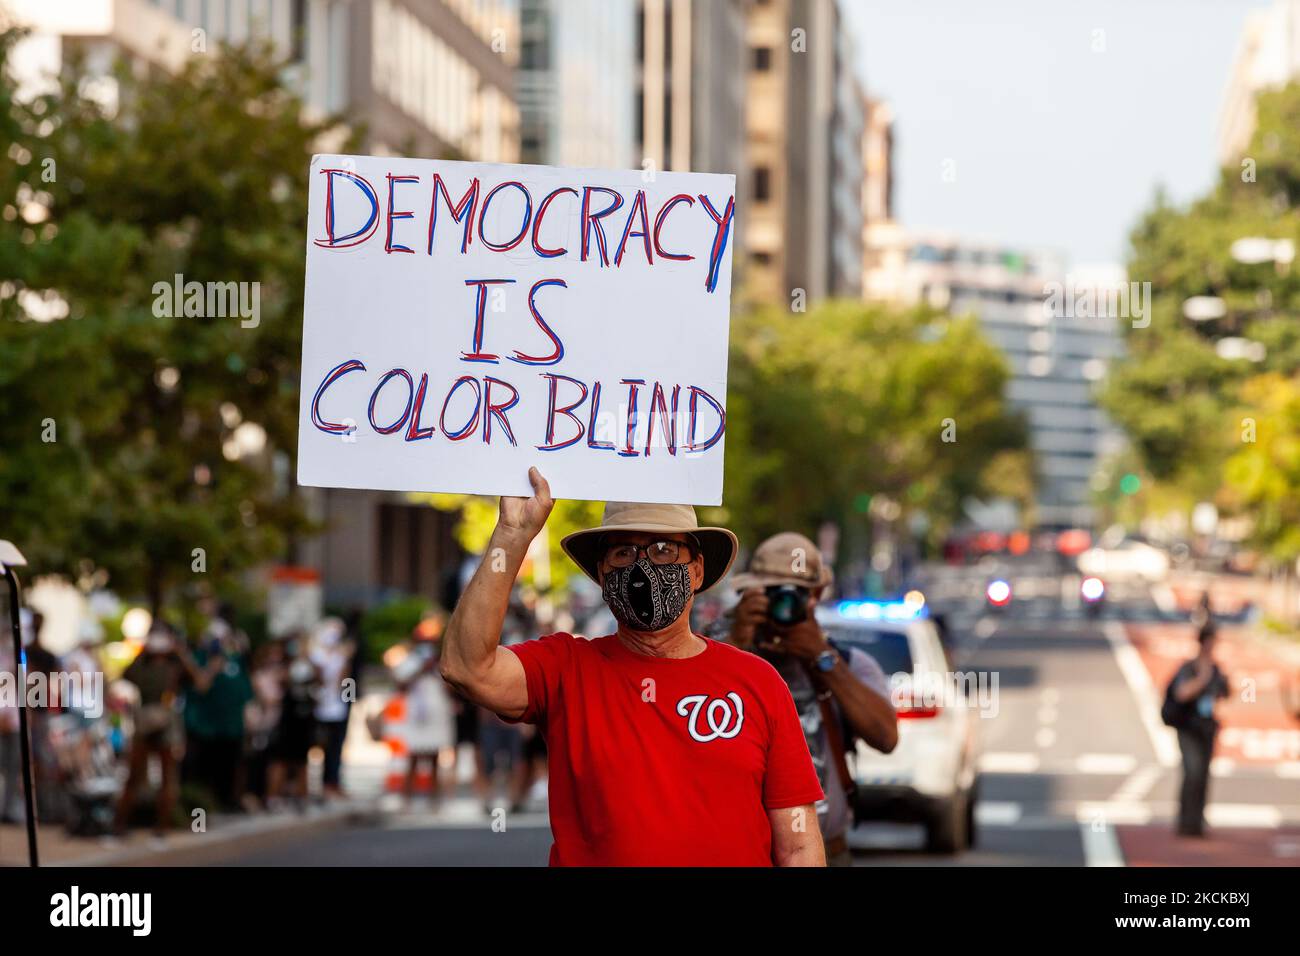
{"points": [[464, 321]]}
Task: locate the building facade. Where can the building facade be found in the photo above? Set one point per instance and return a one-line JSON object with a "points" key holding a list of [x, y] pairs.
{"points": [[1268, 57], [575, 82], [804, 118], [428, 77], [877, 192], [689, 103]]}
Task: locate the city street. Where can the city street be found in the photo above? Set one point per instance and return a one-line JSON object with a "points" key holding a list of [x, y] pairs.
{"points": [[650, 434], [1073, 773]]}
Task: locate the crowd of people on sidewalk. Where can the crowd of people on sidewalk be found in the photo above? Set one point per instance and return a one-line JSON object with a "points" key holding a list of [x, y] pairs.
{"points": [[231, 725], [441, 726]]}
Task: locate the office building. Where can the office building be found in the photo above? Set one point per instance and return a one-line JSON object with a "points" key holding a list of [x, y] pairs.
{"points": [[576, 81], [804, 117]]}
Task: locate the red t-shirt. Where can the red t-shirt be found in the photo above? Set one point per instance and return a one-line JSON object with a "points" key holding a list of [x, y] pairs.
{"points": [[664, 762]]}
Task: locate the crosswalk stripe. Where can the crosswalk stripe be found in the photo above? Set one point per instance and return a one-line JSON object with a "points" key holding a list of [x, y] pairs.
{"points": [[1139, 783], [1144, 693], [996, 762], [1105, 763], [995, 813], [1100, 845], [1243, 815]]}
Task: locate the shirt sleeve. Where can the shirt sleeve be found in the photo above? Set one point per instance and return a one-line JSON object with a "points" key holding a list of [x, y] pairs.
{"points": [[791, 779], [544, 660]]}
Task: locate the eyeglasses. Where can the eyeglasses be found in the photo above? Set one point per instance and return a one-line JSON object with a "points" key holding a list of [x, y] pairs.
{"points": [[659, 552]]}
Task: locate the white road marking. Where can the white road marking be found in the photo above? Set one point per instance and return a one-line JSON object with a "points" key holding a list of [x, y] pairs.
{"points": [[1163, 739], [1105, 763], [992, 813], [1286, 848], [1222, 767], [1003, 762], [1050, 696], [1045, 737], [1243, 815], [1139, 784], [1289, 770], [985, 628], [1112, 812], [1100, 845]]}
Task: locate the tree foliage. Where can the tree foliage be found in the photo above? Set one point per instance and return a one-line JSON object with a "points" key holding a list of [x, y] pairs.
{"points": [[852, 402], [201, 174], [1186, 408]]}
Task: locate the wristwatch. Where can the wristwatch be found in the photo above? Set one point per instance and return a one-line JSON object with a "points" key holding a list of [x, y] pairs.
{"points": [[825, 661]]}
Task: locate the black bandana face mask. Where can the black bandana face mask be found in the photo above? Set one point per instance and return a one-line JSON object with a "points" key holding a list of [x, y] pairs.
{"points": [[646, 596]]}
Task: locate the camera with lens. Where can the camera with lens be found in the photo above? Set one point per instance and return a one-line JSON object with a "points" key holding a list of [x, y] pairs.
{"points": [[787, 604]]}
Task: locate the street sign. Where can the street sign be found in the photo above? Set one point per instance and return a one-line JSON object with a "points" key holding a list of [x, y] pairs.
{"points": [[463, 321]]}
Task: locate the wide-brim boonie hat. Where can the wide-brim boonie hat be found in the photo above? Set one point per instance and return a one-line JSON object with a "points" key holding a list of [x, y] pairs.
{"points": [[717, 545], [785, 558]]}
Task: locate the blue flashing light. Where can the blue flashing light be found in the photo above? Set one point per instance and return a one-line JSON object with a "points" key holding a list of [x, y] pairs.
{"points": [[881, 610]]}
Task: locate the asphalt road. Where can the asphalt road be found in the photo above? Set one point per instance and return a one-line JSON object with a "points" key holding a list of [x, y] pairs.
{"points": [[1066, 757]]}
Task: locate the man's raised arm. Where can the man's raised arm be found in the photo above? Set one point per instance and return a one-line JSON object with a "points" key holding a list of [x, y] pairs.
{"points": [[472, 661]]}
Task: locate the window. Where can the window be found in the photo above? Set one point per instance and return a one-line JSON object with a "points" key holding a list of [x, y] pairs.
{"points": [[762, 59], [889, 648], [298, 27], [762, 184]]}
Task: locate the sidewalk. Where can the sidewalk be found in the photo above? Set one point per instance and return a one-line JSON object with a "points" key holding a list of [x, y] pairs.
{"points": [[364, 768], [1156, 845], [225, 835], [1259, 734]]}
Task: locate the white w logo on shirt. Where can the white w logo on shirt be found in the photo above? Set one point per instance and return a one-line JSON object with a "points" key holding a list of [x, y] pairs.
{"points": [[718, 715]]}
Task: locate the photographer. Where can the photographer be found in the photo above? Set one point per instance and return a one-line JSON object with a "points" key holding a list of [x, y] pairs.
{"points": [[840, 693]]}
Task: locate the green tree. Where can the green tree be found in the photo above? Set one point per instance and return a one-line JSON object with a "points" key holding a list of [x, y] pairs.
{"points": [[201, 174], [848, 402], [1181, 395], [477, 516]]}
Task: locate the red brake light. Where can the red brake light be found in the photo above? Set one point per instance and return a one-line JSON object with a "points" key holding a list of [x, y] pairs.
{"points": [[911, 713]]}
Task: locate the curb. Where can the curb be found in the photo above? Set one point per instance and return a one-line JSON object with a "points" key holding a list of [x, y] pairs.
{"points": [[228, 838]]}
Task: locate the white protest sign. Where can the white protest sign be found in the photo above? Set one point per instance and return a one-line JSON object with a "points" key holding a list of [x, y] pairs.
{"points": [[463, 321]]}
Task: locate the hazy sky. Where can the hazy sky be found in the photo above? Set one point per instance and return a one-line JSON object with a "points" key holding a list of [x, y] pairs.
{"points": [[1053, 145]]}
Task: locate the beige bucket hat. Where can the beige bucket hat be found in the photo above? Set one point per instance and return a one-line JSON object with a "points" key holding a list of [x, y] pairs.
{"points": [[718, 545], [785, 558]]}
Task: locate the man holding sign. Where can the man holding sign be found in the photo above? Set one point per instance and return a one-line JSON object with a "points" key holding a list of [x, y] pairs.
{"points": [[667, 749], [463, 319]]}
